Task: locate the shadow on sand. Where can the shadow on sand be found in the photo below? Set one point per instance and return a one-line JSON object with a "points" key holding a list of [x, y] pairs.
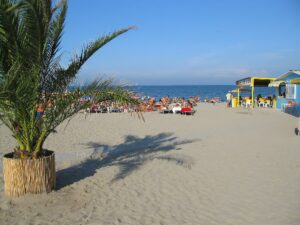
{"points": [[128, 156]]}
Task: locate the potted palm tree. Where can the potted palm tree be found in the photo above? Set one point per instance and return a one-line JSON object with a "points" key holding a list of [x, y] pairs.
{"points": [[33, 101]]}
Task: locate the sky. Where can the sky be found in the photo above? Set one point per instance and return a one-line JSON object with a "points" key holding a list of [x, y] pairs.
{"points": [[185, 41]]}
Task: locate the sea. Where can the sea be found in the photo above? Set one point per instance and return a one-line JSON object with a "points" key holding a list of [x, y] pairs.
{"points": [[186, 91]]}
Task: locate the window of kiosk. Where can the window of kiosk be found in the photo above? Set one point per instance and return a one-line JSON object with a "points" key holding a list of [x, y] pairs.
{"points": [[291, 91], [282, 91]]}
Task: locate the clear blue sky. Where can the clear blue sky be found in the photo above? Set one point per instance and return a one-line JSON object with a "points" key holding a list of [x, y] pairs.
{"points": [[186, 42]]}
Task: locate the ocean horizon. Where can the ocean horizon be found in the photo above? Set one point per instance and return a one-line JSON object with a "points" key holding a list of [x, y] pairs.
{"points": [[203, 91]]}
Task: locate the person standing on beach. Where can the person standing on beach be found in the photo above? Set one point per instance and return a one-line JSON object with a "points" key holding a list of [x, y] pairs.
{"points": [[229, 97], [40, 110]]}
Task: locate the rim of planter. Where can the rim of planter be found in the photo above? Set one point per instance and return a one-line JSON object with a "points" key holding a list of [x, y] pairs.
{"points": [[46, 153]]}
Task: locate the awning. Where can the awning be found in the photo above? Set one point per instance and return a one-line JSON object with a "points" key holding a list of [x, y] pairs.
{"points": [[276, 83], [255, 81], [295, 81], [241, 90]]}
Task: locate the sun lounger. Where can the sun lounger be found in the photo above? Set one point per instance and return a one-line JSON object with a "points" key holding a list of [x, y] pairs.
{"points": [[192, 112], [187, 111], [166, 111], [93, 109], [115, 110], [102, 110]]}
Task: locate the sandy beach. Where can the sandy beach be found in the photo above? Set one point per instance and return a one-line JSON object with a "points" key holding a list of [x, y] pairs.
{"points": [[220, 166]]}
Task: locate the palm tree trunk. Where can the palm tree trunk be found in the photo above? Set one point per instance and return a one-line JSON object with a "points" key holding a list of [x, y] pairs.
{"points": [[39, 143]]}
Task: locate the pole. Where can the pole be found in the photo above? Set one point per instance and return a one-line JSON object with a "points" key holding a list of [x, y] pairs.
{"points": [[252, 96], [238, 98]]}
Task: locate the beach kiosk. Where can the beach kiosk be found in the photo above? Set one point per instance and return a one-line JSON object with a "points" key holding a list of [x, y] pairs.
{"points": [[253, 82], [287, 92]]}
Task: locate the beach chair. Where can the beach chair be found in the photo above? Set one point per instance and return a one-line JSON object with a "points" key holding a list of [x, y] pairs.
{"points": [[267, 103], [187, 111], [248, 103], [94, 109], [176, 109], [261, 102], [166, 111], [102, 110]]}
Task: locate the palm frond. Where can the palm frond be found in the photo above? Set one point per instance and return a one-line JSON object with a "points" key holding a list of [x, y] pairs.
{"points": [[31, 75], [78, 60]]}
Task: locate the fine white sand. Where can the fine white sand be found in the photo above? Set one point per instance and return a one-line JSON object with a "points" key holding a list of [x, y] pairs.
{"points": [[220, 166]]}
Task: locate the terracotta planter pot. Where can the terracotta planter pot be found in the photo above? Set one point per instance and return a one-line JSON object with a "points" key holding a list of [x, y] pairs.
{"points": [[23, 176]]}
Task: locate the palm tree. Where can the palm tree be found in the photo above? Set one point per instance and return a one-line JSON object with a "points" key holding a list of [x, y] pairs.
{"points": [[32, 76]]}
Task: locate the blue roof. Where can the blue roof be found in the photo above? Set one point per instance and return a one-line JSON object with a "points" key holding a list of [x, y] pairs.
{"points": [[292, 74]]}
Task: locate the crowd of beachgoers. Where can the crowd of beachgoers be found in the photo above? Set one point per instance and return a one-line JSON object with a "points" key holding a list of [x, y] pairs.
{"points": [[164, 105], [149, 104], [174, 105]]}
